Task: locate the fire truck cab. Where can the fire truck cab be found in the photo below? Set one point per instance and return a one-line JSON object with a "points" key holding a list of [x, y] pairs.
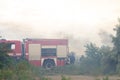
{"points": [[15, 46]]}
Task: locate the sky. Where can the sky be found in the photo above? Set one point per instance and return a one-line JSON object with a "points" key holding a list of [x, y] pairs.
{"points": [[81, 21]]}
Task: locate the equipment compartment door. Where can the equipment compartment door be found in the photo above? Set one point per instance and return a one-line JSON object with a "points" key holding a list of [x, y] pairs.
{"points": [[34, 51]]}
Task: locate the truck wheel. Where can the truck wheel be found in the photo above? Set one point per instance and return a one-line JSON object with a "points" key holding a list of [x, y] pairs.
{"points": [[49, 64]]}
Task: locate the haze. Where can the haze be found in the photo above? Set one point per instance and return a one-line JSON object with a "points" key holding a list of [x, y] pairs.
{"points": [[81, 21]]}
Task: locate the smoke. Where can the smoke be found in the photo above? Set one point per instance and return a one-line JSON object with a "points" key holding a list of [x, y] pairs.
{"points": [[76, 44], [106, 38], [14, 30]]}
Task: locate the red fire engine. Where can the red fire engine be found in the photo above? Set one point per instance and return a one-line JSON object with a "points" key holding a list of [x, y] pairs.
{"points": [[40, 52]]}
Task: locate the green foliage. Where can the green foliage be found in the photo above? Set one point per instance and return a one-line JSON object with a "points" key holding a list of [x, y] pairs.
{"points": [[106, 78], [21, 70], [98, 60], [6, 74], [44, 78], [97, 79], [91, 50], [72, 69], [107, 61], [116, 41], [5, 60], [65, 78], [118, 69], [104, 59], [10, 69], [91, 62]]}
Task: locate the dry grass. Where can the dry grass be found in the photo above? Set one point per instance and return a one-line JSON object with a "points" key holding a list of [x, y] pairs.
{"points": [[79, 77]]}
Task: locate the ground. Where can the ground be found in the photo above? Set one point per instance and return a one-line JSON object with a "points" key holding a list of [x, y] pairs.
{"points": [[79, 77]]}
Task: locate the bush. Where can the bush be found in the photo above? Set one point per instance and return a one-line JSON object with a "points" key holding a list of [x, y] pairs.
{"points": [[21, 70], [6, 74], [106, 78], [65, 78]]}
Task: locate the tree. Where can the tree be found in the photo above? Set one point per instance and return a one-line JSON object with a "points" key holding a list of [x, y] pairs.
{"points": [[116, 42], [4, 57], [108, 62], [91, 50], [91, 62]]}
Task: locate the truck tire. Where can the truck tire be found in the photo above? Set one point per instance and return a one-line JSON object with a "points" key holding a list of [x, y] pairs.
{"points": [[48, 63]]}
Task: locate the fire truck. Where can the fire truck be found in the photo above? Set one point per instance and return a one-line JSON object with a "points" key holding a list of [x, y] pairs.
{"points": [[40, 52]]}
